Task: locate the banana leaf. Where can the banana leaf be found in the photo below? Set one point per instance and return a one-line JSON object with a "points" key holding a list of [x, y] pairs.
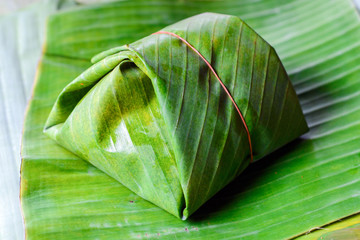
{"points": [[327, 230], [309, 183], [349, 233], [152, 115]]}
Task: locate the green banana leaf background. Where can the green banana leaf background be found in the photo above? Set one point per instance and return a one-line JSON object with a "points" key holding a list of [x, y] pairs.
{"points": [[307, 184]]}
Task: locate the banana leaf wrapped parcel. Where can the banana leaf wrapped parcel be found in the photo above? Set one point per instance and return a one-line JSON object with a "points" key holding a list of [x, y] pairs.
{"points": [[154, 116]]}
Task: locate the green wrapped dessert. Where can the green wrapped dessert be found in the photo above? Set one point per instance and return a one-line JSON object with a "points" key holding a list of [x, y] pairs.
{"points": [[155, 116]]}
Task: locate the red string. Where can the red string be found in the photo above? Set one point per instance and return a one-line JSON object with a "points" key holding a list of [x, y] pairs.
{"points": [[222, 84]]}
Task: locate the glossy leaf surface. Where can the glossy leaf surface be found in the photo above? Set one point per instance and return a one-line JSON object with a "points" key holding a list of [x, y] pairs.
{"points": [[307, 184]]}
